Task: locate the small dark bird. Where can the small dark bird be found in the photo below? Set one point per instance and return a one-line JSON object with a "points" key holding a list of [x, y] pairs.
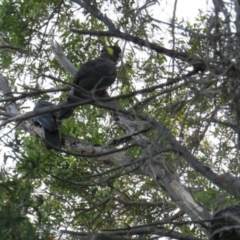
{"points": [[49, 124], [225, 224], [94, 77]]}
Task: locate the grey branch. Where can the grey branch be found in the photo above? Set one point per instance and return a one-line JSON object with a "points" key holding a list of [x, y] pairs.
{"points": [[197, 63], [96, 13], [11, 108], [155, 167]]}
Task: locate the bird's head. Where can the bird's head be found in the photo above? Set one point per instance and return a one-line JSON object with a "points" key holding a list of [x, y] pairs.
{"points": [[113, 53]]}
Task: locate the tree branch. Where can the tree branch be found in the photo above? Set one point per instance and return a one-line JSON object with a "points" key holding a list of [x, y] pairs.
{"points": [[197, 63], [155, 167]]}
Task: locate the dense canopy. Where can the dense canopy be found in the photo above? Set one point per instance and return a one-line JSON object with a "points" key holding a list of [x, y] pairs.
{"points": [[153, 158]]}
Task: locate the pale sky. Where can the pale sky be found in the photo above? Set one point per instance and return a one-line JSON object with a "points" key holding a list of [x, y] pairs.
{"points": [[189, 8]]}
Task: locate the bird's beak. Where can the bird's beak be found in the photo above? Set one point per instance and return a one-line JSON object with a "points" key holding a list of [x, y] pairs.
{"points": [[120, 56]]}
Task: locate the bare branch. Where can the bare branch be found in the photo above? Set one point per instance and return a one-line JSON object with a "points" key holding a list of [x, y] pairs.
{"points": [[11, 108], [197, 63], [59, 55], [155, 167], [96, 13]]}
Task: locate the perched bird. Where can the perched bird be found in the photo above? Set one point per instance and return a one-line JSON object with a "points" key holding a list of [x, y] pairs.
{"points": [[225, 224], [94, 77], [50, 125]]}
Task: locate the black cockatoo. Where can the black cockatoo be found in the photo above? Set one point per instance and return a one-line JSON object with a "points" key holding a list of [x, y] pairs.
{"points": [[49, 123], [225, 224], [94, 77]]}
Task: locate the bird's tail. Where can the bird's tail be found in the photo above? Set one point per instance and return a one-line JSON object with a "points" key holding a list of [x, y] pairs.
{"points": [[52, 138]]}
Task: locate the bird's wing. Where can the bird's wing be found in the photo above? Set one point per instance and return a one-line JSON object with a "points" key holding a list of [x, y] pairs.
{"points": [[50, 126], [52, 138], [93, 71], [46, 120]]}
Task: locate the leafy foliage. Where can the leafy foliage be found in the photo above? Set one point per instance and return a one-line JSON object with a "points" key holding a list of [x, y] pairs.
{"points": [[44, 192]]}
